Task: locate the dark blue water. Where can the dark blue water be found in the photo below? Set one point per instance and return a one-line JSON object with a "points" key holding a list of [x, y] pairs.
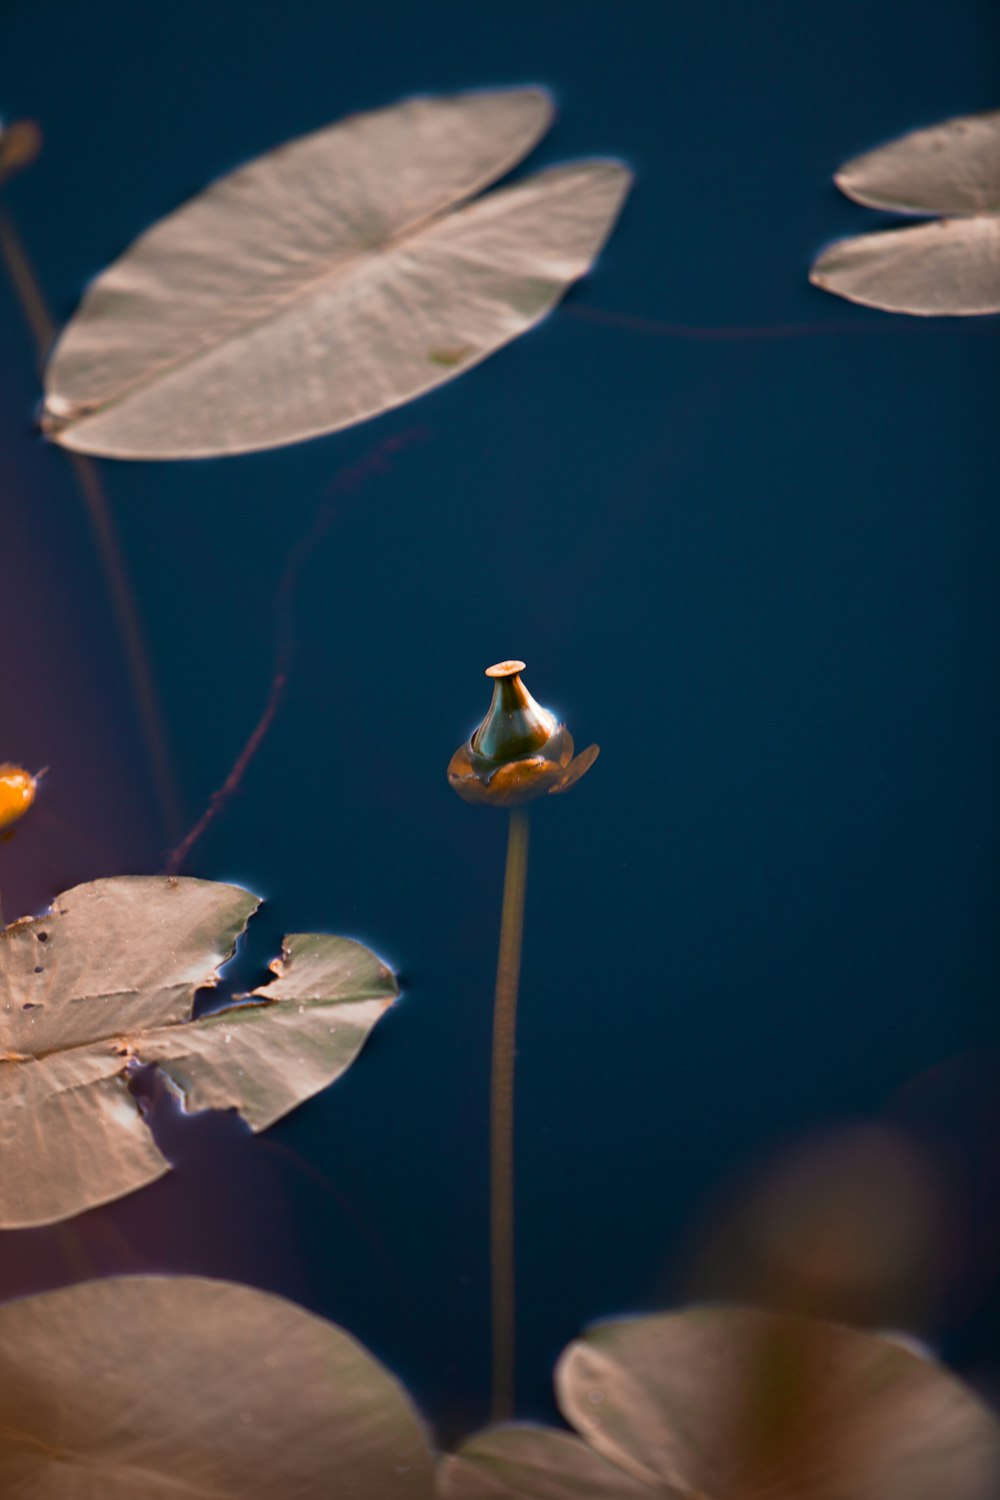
{"points": [[744, 534]]}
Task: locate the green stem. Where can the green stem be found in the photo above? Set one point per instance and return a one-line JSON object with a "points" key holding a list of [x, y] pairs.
{"points": [[502, 1116]]}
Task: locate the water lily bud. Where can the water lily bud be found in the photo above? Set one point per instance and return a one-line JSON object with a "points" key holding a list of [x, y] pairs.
{"points": [[520, 751]]}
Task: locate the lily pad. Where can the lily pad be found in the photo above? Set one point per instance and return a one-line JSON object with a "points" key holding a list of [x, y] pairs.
{"points": [[735, 1404], [948, 267], [179, 1388], [951, 168], [328, 281], [105, 982]]}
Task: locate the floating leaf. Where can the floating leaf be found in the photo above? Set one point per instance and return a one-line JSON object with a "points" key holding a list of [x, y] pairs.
{"points": [[328, 281], [949, 267], [953, 168], [106, 981], [539, 1463], [808, 1233], [732, 1404], [179, 1388]]}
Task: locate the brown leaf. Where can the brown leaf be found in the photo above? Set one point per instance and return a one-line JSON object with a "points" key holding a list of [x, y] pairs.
{"points": [[180, 1388], [738, 1404]]}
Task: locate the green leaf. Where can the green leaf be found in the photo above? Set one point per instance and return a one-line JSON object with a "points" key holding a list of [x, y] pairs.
{"points": [[178, 1388], [107, 980], [328, 281]]}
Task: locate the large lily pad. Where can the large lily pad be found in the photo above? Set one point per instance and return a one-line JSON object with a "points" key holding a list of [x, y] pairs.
{"points": [[738, 1404], [178, 1388], [329, 280], [950, 266], [106, 982]]}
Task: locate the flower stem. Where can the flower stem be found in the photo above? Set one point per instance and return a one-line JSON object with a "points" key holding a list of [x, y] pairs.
{"points": [[502, 1115]]}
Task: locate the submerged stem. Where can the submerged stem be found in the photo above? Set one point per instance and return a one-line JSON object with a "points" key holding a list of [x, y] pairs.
{"points": [[502, 1115], [25, 283]]}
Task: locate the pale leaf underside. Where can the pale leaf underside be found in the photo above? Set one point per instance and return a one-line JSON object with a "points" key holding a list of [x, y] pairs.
{"points": [[185, 1389], [951, 168], [105, 982], [536, 1463], [328, 281], [947, 267], [950, 267]]}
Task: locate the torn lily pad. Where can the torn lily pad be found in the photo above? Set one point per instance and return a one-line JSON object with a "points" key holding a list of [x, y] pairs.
{"points": [[251, 1398], [106, 982], [947, 267], [730, 1403]]}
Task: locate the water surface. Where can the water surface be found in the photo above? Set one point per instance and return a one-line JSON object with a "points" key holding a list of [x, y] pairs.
{"points": [[744, 534]]}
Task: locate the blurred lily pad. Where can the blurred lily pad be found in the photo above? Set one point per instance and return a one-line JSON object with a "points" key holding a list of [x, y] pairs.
{"points": [[185, 1388], [106, 982], [948, 267], [738, 1404], [329, 280], [20, 143]]}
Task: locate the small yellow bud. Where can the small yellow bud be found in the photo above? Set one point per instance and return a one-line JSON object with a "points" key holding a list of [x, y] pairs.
{"points": [[17, 793]]}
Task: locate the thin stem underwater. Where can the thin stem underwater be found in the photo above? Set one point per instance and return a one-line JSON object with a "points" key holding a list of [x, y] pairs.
{"points": [[29, 293], [502, 1115], [350, 480]]}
